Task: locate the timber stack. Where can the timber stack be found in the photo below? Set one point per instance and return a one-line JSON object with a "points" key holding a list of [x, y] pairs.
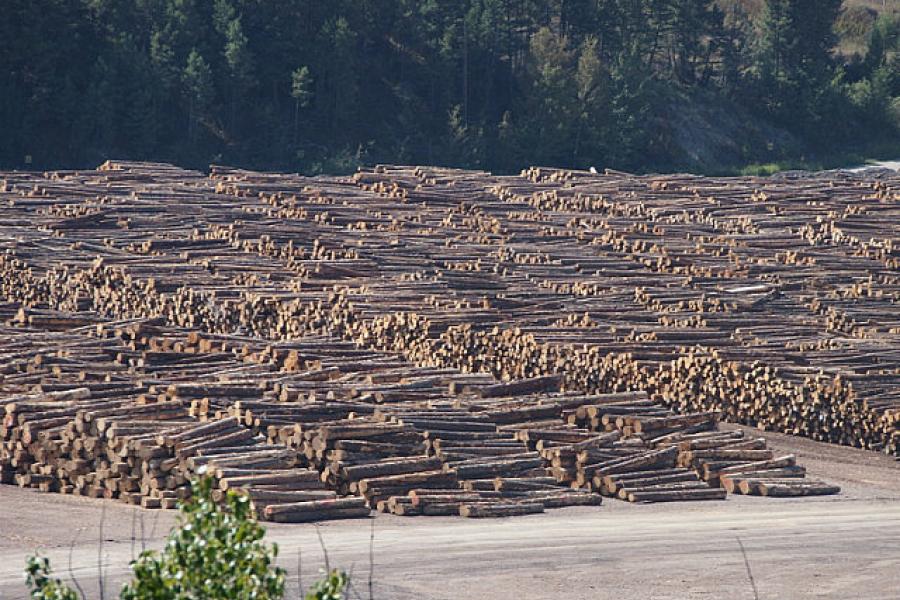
{"points": [[371, 326]]}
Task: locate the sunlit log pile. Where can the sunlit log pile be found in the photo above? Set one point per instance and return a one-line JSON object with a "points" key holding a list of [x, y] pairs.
{"points": [[769, 302], [318, 429]]}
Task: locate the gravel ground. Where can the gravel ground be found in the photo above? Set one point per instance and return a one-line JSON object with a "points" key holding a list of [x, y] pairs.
{"points": [[841, 547]]}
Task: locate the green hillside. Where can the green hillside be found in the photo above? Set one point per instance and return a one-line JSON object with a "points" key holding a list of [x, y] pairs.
{"points": [[498, 84]]}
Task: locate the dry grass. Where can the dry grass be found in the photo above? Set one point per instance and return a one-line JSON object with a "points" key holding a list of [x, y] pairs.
{"points": [[885, 6], [754, 8], [853, 27]]}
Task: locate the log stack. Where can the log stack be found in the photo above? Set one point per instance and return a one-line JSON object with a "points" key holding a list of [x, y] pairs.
{"points": [[462, 313]]}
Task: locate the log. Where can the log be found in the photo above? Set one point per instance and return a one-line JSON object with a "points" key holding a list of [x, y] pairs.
{"points": [[298, 477], [548, 383], [790, 487], [408, 479], [710, 473], [678, 495], [732, 483], [317, 510], [496, 510], [391, 467]]}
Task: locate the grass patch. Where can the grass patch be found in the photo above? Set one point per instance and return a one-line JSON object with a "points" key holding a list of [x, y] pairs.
{"points": [[849, 158]]}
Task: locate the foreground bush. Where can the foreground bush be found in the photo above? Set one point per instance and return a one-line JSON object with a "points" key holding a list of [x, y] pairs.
{"points": [[216, 552], [41, 585]]}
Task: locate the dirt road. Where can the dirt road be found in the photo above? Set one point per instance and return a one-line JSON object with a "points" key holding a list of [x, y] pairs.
{"points": [[841, 547], [881, 164]]}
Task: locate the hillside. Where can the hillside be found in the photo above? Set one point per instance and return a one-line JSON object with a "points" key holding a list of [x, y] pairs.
{"points": [[323, 88]]}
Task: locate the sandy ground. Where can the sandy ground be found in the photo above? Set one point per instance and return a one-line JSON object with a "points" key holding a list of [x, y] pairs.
{"points": [[883, 164], [841, 547]]}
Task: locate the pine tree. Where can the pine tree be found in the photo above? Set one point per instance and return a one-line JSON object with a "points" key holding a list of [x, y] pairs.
{"points": [[795, 58], [164, 89], [103, 99], [223, 14], [339, 81], [552, 107], [240, 66], [301, 92], [697, 30], [592, 89], [198, 89], [631, 105]]}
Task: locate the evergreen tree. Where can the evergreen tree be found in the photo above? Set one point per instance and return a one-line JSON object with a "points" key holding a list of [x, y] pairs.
{"points": [[631, 107], [103, 98], [496, 84], [198, 89], [552, 109], [301, 92], [697, 32], [592, 89], [240, 67], [339, 83], [795, 57], [735, 49], [163, 87]]}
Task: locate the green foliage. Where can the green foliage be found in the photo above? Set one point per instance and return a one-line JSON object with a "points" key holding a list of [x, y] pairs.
{"points": [[216, 552], [237, 54], [198, 88], [331, 587], [796, 64], [41, 585], [302, 93], [198, 82], [303, 85]]}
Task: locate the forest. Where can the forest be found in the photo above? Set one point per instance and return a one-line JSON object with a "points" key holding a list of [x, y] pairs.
{"points": [[313, 86]]}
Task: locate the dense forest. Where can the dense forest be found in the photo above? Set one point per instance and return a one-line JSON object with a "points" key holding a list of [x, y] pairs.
{"points": [[321, 86]]}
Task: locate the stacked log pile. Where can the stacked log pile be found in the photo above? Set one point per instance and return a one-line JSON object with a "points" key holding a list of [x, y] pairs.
{"points": [[296, 434], [331, 302], [134, 440], [741, 465], [624, 461], [537, 454], [594, 260], [609, 280]]}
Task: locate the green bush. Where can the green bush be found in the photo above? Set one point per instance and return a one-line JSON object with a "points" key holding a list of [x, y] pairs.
{"points": [[215, 553], [331, 587], [41, 585]]}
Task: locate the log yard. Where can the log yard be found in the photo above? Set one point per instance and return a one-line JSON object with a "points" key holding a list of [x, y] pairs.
{"points": [[433, 350]]}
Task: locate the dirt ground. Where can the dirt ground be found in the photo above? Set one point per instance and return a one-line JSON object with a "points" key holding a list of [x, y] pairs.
{"points": [[841, 547]]}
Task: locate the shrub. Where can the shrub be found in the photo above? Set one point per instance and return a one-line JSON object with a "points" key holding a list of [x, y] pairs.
{"points": [[331, 587], [215, 553], [42, 586]]}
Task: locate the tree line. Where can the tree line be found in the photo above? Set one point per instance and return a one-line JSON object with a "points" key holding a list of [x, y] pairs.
{"points": [[499, 84]]}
